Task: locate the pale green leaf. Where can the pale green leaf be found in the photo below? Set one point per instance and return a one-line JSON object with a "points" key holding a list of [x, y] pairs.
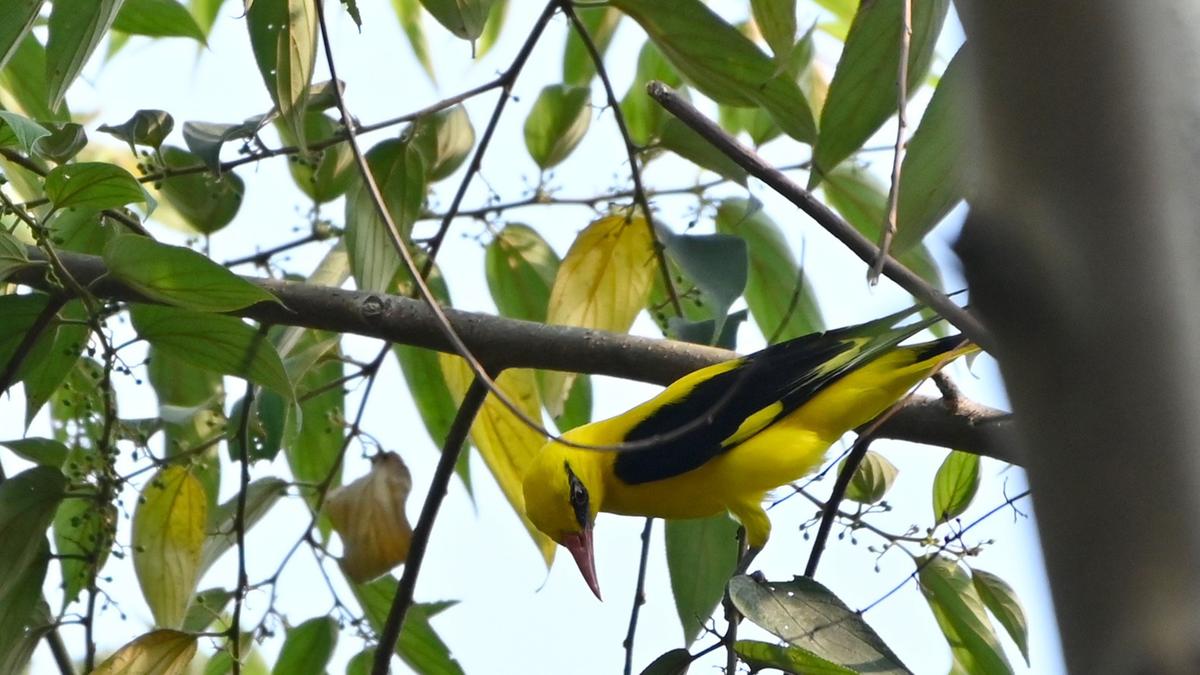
{"points": [[94, 185], [76, 28], [955, 485], [168, 537], [157, 18], [283, 34], [681, 139], [762, 655], [871, 480], [643, 115], [327, 173], [308, 647], [776, 20], [520, 268], [444, 138], [84, 531], [557, 123], [960, 612], [1002, 600], [419, 645], [410, 15], [601, 23], [179, 276], [701, 554], [399, 172], [22, 131]]}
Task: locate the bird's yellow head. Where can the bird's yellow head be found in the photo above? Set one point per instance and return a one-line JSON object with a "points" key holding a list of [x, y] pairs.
{"points": [[561, 499]]}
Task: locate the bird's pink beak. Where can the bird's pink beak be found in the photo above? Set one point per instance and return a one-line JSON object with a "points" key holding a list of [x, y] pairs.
{"points": [[580, 546]]}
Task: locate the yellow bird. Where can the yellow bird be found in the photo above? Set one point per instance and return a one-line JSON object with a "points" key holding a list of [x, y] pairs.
{"points": [[730, 433]]}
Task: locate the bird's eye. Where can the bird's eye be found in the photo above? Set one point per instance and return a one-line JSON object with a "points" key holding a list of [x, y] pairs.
{"points": [[579, 497]]}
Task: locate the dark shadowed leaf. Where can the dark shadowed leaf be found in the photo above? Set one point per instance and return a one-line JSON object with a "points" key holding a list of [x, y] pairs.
{"points": [[20, 131], [207, 202], [25, 615], [399, 171], [863, 95], [674, 662], [16, 20], [206, 138], [43, 375], [761, 655], [776, 20], [44, 451], [93, 185], [308, 647], [716, 263], [643, 115], [283, 34], [145, 127], [157, 18], [207, 606], [445, 138], [934, 173], [12, 255], [76, 28], [556, 123], [778, 294], [955, 485], [179, 276], [577, 410], [213, 342], [464, 18], [959, 611], [28, 502], [701, 554], [805, 614], [683, 141], [601, 23], [24, 78], [64, 142], [1002, 600]]}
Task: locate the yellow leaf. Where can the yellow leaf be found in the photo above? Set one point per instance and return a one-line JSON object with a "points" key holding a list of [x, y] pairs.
{"points": [[369, 516], [168, 537], [506, 444], [602, 283], [161, 652]]}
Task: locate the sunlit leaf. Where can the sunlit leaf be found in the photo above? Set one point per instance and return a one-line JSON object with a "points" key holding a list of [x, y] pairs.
{"points": [[157, 18], [491, 27], [506, 444], [168, 537], [805, 614], [399, 171], [779, 296], [23, 131], [207, 202], [959, 611], [955, 485], [520, 269], [308, 647], [602, 283], [1002, 600], [179, 276], [444, 138], [601, 23], [16, 20], [206, 608], [871, 480], [213, 342], [701, 554], [863, 93], [763, 655], [283, 34], [369, 515], [464, 18], [934, 173], [327, 173], [94, 185], [76, 28], [721, 62], [161, 652], [84, 531], [556, 123]]}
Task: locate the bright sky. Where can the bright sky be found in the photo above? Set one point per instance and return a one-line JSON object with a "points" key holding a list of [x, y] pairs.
{"points": [[512, 617]]}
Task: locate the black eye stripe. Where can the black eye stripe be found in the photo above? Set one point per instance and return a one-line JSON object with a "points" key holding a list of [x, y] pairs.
{"points": [[578, 496]]}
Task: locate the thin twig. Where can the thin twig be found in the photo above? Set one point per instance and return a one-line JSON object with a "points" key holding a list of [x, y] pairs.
{"points": [[889, 226], [239, 527], [631, 151], [639, 596], [467, 410], [262, 257], [857, 452], [732, 616], [834, 224]]}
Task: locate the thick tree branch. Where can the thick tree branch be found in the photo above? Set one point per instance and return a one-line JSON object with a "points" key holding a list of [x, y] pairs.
{"points": [[501, 343]]}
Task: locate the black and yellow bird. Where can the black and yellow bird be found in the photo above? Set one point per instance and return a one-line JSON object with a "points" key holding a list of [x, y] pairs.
{"points": [[729, 433]]}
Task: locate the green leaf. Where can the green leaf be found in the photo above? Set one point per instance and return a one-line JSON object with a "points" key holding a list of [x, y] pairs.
{"points": [[24, 79], [399, 171], [221, 344], [308, 647], [464, 18], [161, 652], [955, 485], [863, 95], [872, 479], [93, 185], [601, 22], [419, 645], [577, 409], [157, 18], [12, 255], [206, 608], [76, 28], [145, 127], [960, 612], [207, 202], [776, 20], [43, 451], [934, 173], [701, 555], [283, 34], [721, 62], [53, 358], [206, 138], [761, 655], [179, 276], [556, 123], [643, 115], [716, 263], [327, 173], [26, 615], [261, 496], [352, 9], [168, 537], [76, 409], [674, 662], [679, 138], [84, 531], [520, 268], [779, 295], [410, 15], [444, 138], [314, 447], [754, 121], [16, 20], [24, 131], [64, 142], [999, 597], [20, 312], [206, 12], [805, 614], [491, 27], [28, 501]]}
